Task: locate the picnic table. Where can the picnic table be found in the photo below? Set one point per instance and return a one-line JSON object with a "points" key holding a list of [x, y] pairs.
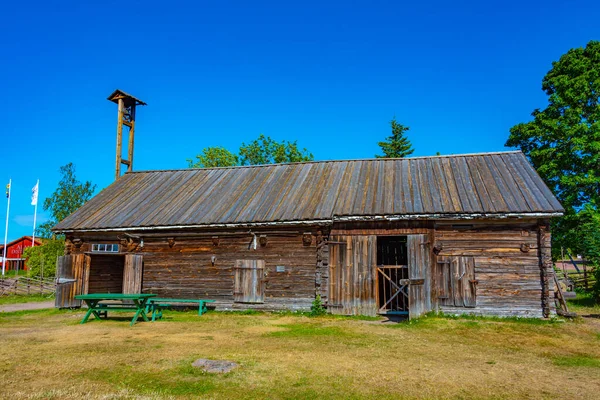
{"points": [[157, 304], [101, 303]]}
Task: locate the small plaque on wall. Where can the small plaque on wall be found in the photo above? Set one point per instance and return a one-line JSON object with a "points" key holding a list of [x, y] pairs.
{"points": [[280, 268]]}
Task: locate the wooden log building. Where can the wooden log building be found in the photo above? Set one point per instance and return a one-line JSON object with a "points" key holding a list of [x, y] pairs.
{"points": [[460, 234]]}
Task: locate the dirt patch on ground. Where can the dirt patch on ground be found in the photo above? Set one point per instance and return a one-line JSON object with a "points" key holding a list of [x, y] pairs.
{"points": [[27, 306]]}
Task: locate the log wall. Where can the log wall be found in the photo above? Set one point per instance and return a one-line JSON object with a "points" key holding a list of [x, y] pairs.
{"points": [[507, 267], [186, 269], [511, 262]]}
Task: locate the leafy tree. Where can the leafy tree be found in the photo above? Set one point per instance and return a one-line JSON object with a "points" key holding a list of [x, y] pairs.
{"points": [[41, 260], [265, 150], [563, 140], [68, 197], [397, 145], [563, 144], [588, 237], [214, 157]]}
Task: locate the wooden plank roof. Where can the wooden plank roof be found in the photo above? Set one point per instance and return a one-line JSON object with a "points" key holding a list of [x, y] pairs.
{"points": [[459, 186]]}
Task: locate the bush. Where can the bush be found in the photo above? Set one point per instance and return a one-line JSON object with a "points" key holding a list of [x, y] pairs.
{"points": [[43, 258], [317, 307]]}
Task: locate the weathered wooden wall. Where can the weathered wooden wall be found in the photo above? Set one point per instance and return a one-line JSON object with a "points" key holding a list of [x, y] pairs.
{"points": [[506, 261], [507, 266], [186, 269]]}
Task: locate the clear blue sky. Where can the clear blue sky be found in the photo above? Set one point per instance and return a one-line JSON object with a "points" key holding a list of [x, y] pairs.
{"points": [[330, 74]]}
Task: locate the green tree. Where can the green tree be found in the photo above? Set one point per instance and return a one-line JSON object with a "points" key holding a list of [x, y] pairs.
{"points": [[214, 157], [397, 145], [41, 260], [563, 143], [265, 150], [68, 197]]}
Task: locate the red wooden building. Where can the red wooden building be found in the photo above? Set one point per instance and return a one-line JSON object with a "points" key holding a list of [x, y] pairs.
{"points": [[14, 252]]}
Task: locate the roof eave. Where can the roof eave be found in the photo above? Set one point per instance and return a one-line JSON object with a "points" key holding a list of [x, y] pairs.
{"points": [[350, 218]]}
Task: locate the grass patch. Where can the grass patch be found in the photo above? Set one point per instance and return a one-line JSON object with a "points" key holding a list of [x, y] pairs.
{"points": [[176, 382], [18, 298], [307, 330], [576, 361], [584, 304], [293, 356]]}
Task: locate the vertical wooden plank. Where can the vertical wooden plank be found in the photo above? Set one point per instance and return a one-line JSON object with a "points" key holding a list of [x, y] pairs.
{"points": [[454, 281], [419, 269], [469, 285], [333, 299], [132, 273], [347, 275], [237, 281], [87, 264]]}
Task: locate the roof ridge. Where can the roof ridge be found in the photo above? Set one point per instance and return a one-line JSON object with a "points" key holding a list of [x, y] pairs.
{"points": [[328, 161]]}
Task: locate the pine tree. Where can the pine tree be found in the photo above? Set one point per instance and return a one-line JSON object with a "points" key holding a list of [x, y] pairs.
{"points": [[397, 145]]}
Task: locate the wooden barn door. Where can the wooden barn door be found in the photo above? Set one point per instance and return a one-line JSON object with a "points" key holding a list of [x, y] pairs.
{"points": [[457, 285], [419, 273], [352, 269], [249, 282], [132, 273], [72, 275]]}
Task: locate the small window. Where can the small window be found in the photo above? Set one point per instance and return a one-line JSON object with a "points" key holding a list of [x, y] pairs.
{"points": [[105, 248]]}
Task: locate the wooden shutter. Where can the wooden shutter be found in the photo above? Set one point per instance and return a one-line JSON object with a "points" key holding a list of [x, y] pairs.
{"points": [[456, 284], [249, 281], [132, 273], [352, 262], [419, 273], [72, 275]]}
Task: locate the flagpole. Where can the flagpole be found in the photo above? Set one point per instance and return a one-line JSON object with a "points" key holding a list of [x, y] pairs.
{"points": [[37, 188], [6, 229]]}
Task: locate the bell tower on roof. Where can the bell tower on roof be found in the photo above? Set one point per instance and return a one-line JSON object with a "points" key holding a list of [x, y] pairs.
{"points": [[126, 105]]}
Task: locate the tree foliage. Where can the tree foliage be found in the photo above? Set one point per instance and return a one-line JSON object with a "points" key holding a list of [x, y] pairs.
{"points": [[563, 144], [397, 145], [211, 157], [263, 150], [563, 140], [41, 260], [68, 197]]}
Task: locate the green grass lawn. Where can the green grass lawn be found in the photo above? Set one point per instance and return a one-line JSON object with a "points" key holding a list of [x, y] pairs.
{"points": [[49, 355], [17, 298]]}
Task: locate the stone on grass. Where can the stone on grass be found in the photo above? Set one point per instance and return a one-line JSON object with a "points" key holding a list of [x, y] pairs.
{"points": [[216, 366]]}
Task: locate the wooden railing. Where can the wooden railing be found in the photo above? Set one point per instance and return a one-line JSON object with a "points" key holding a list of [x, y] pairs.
{"points": [[25, 286]]}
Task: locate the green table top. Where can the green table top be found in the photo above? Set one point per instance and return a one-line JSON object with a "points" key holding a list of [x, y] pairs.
{"points": [[113, 296]]}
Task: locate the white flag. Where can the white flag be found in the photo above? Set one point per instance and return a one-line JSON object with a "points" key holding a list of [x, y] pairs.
{"points": [[34, 194]]}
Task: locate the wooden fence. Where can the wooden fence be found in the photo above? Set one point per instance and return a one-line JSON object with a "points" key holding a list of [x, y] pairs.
{"points": [[25, 286]]}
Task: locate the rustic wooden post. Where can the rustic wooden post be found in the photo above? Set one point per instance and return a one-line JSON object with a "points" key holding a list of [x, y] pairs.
{"points": [[545, 257], [126, 116]]}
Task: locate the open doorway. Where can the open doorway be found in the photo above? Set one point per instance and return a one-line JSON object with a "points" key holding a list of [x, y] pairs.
{"points": [[392, 275], [106, 273]]}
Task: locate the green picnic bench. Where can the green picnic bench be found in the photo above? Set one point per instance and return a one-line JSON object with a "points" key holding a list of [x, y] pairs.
{"points": [[100, 304], [157, 304]]}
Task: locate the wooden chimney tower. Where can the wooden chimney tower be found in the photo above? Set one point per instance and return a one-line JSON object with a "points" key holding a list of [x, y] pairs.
{"points": [[127, 104]]}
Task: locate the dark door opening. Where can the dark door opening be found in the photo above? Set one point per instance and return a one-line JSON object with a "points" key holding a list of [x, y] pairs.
{"points": [[392, 275], [106, 273]]}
